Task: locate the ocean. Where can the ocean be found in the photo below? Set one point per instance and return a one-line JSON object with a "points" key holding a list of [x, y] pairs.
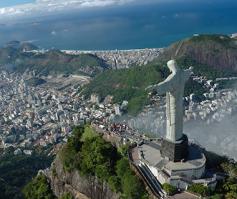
{"points": [[126, 27]]}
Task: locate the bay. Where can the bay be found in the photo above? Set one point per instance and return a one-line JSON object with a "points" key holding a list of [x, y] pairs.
{"points": [[125, 27]]}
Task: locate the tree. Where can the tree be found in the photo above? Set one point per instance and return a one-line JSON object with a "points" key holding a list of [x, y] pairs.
{"points": [[123, 150], [66, 196], [97, 155], [230, 186], [216, 196], [114, 183], [122, 167], [132, 187], [230, 168], [231, 195], [169, 189], [77, 133], [67, 156], [17, 170], [88, 133], [199, 189], [38, 188], [102, 173], [70, 150]]}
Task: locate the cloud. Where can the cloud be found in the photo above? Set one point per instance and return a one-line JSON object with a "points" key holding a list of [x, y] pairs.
{"points": [[45, 7], [53, 33], [51, 6]]}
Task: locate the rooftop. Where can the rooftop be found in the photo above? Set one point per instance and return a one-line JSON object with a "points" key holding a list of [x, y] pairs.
{"points": [[152, 156]]}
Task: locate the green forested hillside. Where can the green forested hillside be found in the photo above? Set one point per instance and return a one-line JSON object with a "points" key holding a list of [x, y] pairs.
{"points": [[127, 84], [89, 154], [130, 84], [38, 187], [51, 62], [17, 171], [56, 62]]}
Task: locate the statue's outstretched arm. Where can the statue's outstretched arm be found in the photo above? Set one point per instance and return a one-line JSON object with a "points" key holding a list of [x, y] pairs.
{"points": [[162, 87]]}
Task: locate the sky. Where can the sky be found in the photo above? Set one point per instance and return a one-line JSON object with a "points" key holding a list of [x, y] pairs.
{"points": [[27, 8], [6, 3], [18, 8]]}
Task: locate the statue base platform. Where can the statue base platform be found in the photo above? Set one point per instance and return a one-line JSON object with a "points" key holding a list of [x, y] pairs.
{"points": [[175, 151]]}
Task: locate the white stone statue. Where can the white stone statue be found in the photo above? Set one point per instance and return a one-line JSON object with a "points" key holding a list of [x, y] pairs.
{"points": [[173, 86]]}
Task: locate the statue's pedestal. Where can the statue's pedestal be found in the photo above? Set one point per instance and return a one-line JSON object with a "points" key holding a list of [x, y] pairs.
{"points": [[175, 151]]}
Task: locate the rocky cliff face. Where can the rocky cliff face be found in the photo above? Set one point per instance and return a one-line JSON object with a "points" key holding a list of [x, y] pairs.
{"points": [[79, 186], [217, 51]]}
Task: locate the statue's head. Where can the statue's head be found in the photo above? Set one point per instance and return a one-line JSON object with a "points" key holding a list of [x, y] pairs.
{"points": [[172, 65]]}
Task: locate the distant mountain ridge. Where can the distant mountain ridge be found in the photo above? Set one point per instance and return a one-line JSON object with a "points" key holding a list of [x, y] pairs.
{"points": [[218, 52], [13, 56], [23, 46]]}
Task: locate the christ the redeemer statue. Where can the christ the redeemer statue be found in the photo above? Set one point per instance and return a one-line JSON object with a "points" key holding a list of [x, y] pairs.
{"points": [[173, 86]]}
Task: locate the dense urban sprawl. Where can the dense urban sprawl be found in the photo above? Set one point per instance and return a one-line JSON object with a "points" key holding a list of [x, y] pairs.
{"points": [[44, 115]]}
